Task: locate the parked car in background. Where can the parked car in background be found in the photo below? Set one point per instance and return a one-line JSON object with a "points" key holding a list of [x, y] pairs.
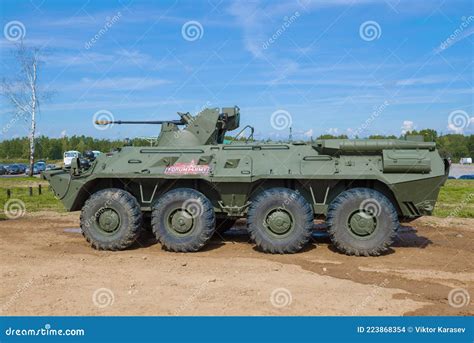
{"points": [[35, 171], [38, 167], [41, 165], [50, 166], [466, 160], [85, 163], [13, 169], [96, 153], [22, 167], [3, 171], [69, 155], [467, 177]]}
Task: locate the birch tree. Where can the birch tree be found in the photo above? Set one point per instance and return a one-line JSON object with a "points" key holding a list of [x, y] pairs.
{"points": [[23, 92]]}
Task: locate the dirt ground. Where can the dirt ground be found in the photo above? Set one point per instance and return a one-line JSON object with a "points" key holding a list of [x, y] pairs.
{"points": [[47, 268]]}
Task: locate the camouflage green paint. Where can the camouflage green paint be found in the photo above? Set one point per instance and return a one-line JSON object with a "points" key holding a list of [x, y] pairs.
{"points": [[410, 173]]}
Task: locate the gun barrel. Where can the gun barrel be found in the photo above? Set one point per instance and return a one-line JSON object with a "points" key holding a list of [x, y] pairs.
{"points": [[156, 122]]}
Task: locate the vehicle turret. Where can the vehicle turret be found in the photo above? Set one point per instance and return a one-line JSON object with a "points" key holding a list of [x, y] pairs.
{"points": [[206, 128]]}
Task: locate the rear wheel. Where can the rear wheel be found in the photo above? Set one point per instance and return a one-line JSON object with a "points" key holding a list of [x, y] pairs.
{"points": [[111, 219], [183, 220], [280, 221], [362, 221]]}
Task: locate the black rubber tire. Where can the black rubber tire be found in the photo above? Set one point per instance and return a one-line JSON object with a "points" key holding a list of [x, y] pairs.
{"points": [[128, 210], [293, 202], [203, 224], [224, 224], [344, 205]]}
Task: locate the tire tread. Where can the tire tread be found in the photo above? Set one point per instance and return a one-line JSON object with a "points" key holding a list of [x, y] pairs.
{"points": [[345, 247]]}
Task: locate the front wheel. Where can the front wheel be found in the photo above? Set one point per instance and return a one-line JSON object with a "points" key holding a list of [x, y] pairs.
{"points": [[111, 219], [362, 221]]}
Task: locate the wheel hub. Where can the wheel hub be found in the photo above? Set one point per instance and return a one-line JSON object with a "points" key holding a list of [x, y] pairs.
{"points": [[109, 220], [181, 221], [362, 224], [279, 222]]}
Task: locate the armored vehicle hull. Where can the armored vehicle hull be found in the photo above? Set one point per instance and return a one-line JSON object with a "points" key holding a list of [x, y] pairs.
{"points": [[362, 187]]}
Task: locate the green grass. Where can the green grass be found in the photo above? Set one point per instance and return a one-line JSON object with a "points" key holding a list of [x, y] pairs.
{"points": [[20, 195], [456, 198], [22, 181]]}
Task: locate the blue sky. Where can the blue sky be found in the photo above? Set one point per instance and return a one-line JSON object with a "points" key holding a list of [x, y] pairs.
{"points": [[331, 66]]}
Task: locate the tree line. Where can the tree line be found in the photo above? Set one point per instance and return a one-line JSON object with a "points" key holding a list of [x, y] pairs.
{"points": [[53, 148], [455, 146]]}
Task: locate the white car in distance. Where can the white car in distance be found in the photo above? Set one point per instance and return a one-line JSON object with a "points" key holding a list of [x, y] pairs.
{"points": [[69, 156]]}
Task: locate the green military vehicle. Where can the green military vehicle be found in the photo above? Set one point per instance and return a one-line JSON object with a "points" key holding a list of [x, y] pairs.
{"points": [[191, 184]]}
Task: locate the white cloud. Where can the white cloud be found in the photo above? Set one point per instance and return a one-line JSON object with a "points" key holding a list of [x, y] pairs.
{"points": [[455, 129], [75, 59], [259, 20], [113, 104], [429, 80], [122, 83], [121, 57], [250, 17], [333, 131], [460, 129], [308, 133], [407, 126], [137, 57]]}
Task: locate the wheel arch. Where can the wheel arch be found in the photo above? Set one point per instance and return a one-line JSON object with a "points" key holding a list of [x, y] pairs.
{"points": [[374, 184], [146, 194]]}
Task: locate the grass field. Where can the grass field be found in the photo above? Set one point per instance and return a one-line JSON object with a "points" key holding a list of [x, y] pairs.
{"points": [[19, 188], [456, 198]]}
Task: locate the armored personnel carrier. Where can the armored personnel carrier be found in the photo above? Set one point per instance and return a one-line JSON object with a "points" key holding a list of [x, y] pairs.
{"points": [[191, 184]]}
